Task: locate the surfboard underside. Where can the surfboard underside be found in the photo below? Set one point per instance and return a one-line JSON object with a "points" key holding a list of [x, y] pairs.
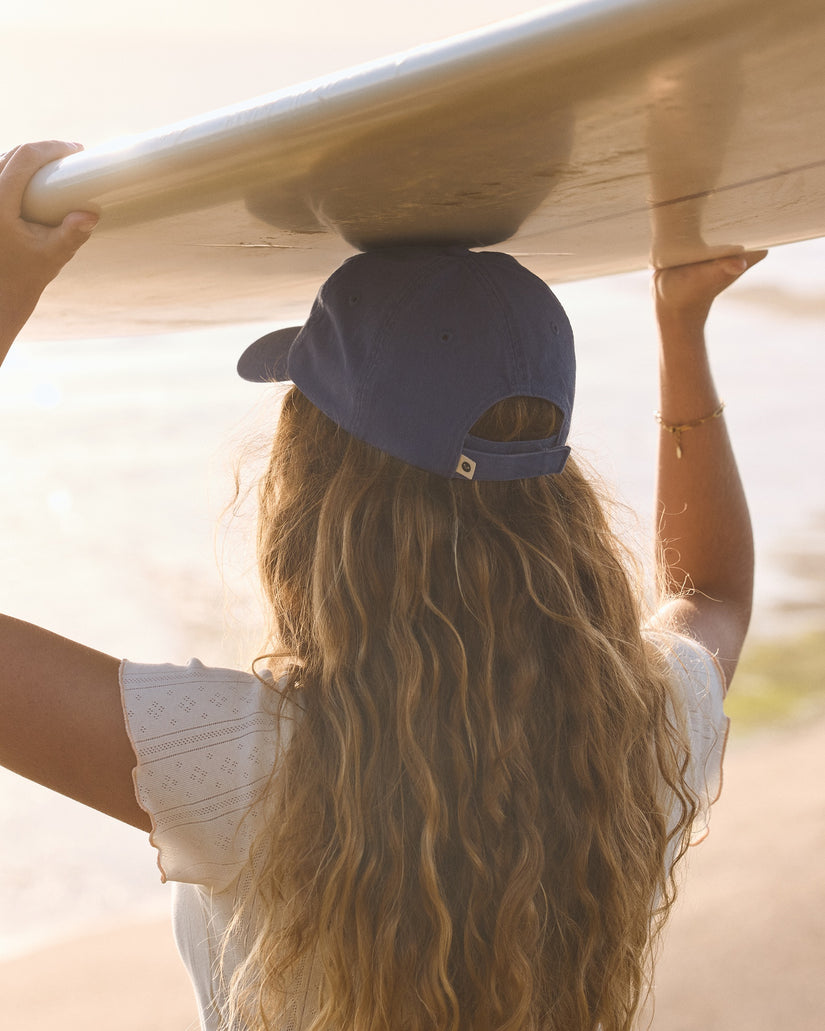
{"points": [[588, 139]]}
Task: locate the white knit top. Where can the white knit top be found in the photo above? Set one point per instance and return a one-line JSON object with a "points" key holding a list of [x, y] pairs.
{"points": [[207, 741]]}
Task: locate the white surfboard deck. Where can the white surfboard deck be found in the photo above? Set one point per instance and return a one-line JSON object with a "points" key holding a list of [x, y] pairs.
{"points": [[588, 138]]}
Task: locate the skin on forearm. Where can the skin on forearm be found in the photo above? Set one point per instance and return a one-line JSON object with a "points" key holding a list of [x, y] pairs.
{"points": [[705, 555], [703, 531]]}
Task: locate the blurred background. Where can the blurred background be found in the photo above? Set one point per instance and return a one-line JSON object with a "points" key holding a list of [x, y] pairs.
{"points": [[118, 460]]}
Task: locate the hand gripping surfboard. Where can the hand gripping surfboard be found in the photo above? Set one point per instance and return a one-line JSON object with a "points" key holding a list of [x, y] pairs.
{"points": [[588, 138]]}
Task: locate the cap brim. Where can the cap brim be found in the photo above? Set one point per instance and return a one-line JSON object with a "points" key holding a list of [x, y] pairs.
{"points": [[265, 361]]}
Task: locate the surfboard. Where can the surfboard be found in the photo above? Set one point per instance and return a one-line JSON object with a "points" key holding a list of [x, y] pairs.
{"points": [[586, 138]]}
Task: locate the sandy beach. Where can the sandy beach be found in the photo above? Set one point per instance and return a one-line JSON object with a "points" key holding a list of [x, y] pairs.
{"points": [[745, 951], [127, 978]]}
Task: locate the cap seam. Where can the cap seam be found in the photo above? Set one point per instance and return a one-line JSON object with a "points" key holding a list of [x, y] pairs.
{"points": [[395, 306], [515, 353]]}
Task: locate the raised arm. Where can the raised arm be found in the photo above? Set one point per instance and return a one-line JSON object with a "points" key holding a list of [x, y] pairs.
{"points": [[61, 721], [31, 255], [705, 560]]}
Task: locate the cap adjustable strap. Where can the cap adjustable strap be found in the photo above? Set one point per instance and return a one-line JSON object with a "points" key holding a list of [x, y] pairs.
{"points": [[477, 464]]}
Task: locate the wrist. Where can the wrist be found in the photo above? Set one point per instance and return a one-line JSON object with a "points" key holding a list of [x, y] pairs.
{"points": [[686, 387], [682, 321], [683, 353]]}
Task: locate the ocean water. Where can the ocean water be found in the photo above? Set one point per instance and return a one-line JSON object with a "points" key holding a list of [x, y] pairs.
{"points": [[117, 460]]}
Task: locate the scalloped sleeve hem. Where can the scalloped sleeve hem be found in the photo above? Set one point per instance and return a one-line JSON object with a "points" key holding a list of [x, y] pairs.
{"points": [[206, 742]]}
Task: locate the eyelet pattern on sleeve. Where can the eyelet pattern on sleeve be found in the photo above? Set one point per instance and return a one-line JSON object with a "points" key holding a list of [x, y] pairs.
{"points": [[206, 742]]}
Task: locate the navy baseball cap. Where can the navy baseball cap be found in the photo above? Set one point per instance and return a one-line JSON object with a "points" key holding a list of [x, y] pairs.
{"points": [[405, 348]]}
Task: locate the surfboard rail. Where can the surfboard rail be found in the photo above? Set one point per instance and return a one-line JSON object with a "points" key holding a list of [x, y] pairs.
{"points": [[588, 138]]}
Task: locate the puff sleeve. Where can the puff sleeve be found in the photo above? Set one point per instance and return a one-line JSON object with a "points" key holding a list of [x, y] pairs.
{"points": [[206, 742], [701, 686]]}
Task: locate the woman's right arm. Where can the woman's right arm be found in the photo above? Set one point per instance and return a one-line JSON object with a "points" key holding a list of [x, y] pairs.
{"points": [[31, 255], [61, 720], [705, 543]]}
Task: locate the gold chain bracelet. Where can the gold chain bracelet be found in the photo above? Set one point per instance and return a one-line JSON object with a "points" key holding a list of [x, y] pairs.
{"points": [[677, 431]]}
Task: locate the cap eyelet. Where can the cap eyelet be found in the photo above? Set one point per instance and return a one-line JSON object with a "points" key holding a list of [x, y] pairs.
{"points": [[446, 337], [353, 300]]}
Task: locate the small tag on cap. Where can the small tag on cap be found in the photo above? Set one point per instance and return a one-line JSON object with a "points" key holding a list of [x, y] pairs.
{"points": [[466, 467]]}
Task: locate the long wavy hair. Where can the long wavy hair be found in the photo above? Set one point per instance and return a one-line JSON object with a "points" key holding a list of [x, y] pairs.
{"points": [[473, 824]]}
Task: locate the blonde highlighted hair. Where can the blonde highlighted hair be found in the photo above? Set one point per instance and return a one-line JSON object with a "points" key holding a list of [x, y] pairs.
{"points": [[471, 827]]}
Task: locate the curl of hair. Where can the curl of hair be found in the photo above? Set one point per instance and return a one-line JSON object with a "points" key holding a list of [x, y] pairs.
{"points": [[472, 826]]}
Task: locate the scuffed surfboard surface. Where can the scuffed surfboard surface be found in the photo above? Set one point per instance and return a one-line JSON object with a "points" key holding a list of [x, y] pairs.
{"points": [[587, 139]]}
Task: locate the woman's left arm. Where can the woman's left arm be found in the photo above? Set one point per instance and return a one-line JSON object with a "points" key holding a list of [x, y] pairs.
{"points": [[61, 719]]}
